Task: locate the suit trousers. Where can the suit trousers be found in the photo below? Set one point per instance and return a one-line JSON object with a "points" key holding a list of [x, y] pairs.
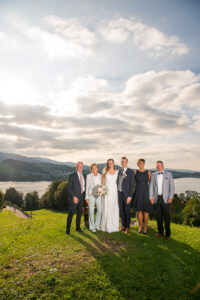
{"points": [[125, 210], [163, 213], [75, 207], [92, 201]]}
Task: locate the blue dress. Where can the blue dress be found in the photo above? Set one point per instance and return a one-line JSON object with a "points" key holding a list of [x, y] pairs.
{"points": [[141, 200]]}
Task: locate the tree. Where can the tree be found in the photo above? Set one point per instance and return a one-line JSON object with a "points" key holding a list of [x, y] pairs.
{"points": [[192, 212], [1, 199], [177, 207], [61, 196], [14, 197], [52, 188], [31, 201], [56, 197]]}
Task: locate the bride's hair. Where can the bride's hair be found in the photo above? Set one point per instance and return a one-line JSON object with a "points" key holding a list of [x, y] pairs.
{"points": [[107, 165]]}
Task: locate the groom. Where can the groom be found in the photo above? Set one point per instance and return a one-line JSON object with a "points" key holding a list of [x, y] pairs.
{"points": [[126, 186]]}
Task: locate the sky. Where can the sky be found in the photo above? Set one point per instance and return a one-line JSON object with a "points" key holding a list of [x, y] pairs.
{"points": [[92, 80]]}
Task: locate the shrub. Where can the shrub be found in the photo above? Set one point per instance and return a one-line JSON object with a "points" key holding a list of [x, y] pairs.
{"points": [[1, 199], [192, 212]]}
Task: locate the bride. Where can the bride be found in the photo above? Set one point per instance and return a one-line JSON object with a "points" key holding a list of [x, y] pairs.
{"points": [[110, 207]]}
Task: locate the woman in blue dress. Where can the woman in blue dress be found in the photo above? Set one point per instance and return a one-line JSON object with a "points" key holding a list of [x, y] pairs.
{"points": [[141, 201]]}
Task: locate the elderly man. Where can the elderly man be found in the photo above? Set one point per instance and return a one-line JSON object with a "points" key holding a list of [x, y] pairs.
{"points": [[161, 194], [76, 190]]}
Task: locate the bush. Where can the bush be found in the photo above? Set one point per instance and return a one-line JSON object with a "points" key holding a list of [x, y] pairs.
{"points": [[1, 199], [176, 208], [192, 212]]}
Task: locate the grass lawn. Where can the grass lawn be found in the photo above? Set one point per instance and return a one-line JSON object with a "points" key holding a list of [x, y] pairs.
{"points": [[39, 261]]}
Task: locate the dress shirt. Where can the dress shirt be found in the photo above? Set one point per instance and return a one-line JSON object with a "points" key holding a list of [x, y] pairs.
{"points": [[124, 170], [160, 182], [81, 174]]}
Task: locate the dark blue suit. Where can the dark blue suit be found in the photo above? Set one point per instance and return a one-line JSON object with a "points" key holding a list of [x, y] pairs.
{"points": [[128, 187], [74, 190]]}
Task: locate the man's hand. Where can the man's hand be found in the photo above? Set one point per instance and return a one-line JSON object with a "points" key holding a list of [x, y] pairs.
{"points": [[152, 201], [75, 199], [129, 200], [87, 201], [169, 200]]}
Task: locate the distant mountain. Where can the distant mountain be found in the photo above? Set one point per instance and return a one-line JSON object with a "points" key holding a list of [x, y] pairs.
{"points": [[16, 170], [5, 156], [15, 167]]}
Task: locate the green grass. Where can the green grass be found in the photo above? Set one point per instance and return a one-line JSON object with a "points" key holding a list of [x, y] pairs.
{"points": [[39, 261]]}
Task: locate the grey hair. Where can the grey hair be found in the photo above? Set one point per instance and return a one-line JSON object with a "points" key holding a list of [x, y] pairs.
{"points": [[78, 162]]}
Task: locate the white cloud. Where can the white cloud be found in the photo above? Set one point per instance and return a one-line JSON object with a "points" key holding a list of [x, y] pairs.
{"points": [[90, 84], [72, 30], [166, 90], [57, 47], [152, 109], [16, 89], [63, 39], [147, 38]]}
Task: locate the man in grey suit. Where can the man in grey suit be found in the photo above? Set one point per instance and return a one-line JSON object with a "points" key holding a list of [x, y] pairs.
{"points": [[161, 194]]}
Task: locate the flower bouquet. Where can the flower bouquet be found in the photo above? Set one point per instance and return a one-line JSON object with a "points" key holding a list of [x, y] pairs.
{"points": [[99, 190]]}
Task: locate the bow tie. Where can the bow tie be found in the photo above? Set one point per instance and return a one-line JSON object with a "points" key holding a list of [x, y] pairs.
{"points": [[160, 173]]}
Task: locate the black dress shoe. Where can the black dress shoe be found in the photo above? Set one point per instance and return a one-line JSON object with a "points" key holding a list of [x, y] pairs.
{"points": [[80, 230], [67, 232]]}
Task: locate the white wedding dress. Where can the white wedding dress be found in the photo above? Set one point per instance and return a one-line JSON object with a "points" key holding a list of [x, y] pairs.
{"points": [[110, 206]]}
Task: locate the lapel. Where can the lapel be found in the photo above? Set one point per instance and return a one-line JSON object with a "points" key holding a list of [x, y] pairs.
{"points": [[164, 176], [77, 178], [156, 179]]}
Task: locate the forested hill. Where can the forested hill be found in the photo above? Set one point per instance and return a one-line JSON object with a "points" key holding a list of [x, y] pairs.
{"points": [[16, 170]]}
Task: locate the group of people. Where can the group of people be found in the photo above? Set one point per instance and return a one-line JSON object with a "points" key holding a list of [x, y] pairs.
{"points": [[124, 189]]}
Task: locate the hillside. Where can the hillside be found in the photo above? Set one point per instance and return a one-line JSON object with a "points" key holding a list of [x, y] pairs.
{"points": [[39, 261], [14, 167], [15, 170]]}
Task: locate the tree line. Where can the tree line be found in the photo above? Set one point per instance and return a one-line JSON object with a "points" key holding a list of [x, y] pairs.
{"points": [[185, 208]]}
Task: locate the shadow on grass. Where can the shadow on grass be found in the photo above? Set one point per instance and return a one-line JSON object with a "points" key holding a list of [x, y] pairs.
{"points": [[143, 266]]}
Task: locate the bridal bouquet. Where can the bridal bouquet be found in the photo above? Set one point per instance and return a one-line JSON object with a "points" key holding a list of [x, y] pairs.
{"points": [[99, 190]]}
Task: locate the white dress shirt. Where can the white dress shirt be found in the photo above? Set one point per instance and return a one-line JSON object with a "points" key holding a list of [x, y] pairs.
{"points": [[81, 174], [124, 170], [160, 182]]}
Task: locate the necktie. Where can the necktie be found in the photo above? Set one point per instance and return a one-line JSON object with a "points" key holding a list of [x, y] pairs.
{"points": [[81, 182], [160, 173]]}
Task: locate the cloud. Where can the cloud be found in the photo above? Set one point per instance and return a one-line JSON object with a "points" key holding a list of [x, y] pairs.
{"points": [[147, 38], [72, 30], [90, 84], [152, 109], [62, 39]]}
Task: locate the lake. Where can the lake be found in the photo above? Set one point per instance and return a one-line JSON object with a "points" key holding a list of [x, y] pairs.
{"points": [[181, 185]]}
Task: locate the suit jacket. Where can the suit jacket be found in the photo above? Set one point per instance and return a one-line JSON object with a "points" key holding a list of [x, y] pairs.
{"points": [[128, 183], [74, 187], [167, 186], [90, 184]]}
